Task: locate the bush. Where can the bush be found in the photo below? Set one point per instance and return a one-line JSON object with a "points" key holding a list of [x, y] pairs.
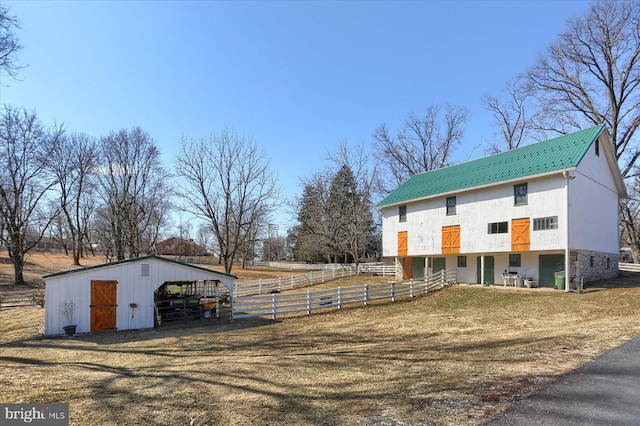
{"points": [[37, 297]]}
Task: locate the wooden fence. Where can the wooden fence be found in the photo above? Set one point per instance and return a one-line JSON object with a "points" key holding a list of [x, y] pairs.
{"points": [[16, 299], [276, 285], [375, 267], [629, 267], [276, 304]]}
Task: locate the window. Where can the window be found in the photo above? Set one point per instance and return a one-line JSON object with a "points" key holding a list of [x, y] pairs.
{"points": [[592, 261], [520, 194], [402, 212], [544, 223], [462, 261], [515, 260], [598, 147], [451, 206], [144, 270], [499, 228], [608, 263]]}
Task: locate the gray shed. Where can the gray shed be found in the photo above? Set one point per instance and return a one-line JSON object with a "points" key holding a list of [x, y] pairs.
{"points": [[118, 295]]}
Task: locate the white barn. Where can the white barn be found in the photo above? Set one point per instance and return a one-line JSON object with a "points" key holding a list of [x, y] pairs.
{"points": [[530, 212], [123, 290]]}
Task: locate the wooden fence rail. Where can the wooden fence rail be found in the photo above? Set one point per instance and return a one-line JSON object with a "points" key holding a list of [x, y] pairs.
{"points": [[16, 299], [629, 267], [276, 304], [276, 285]]}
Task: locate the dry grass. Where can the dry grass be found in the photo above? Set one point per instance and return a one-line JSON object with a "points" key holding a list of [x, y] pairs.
{"points": [[456, 356], [453, 357]]}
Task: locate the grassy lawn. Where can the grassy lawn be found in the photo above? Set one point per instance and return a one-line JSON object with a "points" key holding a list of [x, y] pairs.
{"points": [[456, 356]]}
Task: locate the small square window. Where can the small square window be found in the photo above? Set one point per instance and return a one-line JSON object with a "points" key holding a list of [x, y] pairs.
{"points": [[498, 228], [515, 260], [462, 261], [451, 206], [520, 192], [402, 212]]}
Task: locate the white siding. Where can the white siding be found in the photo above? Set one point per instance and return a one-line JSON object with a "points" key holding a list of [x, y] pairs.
{"points": [[131, 288], [594, 206], [474, 211]]}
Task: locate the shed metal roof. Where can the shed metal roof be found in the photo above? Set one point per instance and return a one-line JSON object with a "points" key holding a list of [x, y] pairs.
{"points": [[558, 154], [138, 259]]}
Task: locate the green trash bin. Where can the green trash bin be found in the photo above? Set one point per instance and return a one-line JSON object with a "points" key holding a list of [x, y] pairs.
{"points": [[559, 280]]}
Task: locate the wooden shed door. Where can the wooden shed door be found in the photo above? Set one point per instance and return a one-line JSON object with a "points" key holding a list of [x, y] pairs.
{"points": [[451, 239], [103, 305], [403, 243], [520, 234]]}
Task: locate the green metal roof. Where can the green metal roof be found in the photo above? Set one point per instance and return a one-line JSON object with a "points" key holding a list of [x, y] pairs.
{"points": [[137, 259], [552, 155]]}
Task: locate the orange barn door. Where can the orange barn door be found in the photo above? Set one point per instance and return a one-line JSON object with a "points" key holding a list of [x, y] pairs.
{"points": [[451, 239], [103, 305], [403, 243], [520, 234]]}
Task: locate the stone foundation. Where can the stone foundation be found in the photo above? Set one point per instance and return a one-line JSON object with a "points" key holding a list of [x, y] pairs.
{"points": [[593, 265]]}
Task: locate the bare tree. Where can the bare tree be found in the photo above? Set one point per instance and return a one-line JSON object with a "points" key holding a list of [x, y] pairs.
{"points": [[74, 161], [135, 189], [203, 238], [351, 197], [25, 180], [425, 142], [630, 219], [510, 115], [9, 44], [227, 182], [591, 75]]}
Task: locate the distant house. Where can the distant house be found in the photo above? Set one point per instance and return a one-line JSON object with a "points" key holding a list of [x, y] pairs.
{"points": [[180, 247], [544, 208]]}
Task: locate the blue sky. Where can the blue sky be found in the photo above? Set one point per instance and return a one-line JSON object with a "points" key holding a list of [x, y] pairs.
{"points": [[296, 76]]}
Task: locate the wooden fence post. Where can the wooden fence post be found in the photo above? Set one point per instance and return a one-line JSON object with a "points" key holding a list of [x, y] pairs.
{"points": [[273, 302], [411, 287], [393, 291], [308, 303], [339, 297], [217, 302], [366, 294], [442, 278]]}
